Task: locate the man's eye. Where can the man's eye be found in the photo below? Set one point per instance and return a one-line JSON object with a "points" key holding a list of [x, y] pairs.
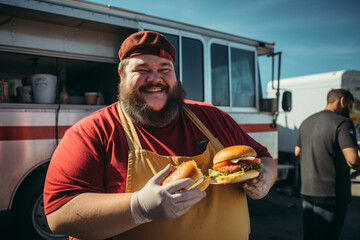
{"points": [[165, 70], [142, 71]]}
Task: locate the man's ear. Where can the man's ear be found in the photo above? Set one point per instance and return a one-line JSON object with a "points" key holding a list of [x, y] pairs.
{"points": [[342, 102], [119, 71]]}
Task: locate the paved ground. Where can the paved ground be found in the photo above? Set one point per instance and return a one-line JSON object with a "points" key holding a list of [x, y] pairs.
{"points": [[278, 217]]}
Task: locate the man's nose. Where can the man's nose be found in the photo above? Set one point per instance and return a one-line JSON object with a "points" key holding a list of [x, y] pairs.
{"points": [[154, 76]]}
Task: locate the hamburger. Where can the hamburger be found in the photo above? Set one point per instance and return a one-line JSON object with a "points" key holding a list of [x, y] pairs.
{"points": [[235, 164], [188, 169]]}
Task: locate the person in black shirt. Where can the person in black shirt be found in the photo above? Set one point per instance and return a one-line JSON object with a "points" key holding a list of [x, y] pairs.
{"points": [[327, 148]]}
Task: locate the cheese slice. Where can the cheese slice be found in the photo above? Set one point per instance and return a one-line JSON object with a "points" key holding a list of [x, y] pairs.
{"points": [[236, 160], [197, 183]]}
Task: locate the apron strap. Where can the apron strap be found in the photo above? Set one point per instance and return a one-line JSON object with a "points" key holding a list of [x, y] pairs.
{"points": [[202, 128], [130, 131]]}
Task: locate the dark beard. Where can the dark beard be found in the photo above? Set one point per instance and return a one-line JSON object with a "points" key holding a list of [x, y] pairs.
{"points": [[345, 112], [135, 106]]}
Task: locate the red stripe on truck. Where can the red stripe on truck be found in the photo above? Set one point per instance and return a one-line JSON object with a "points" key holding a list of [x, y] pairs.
{"points": [[254, 128], [13, 133]]}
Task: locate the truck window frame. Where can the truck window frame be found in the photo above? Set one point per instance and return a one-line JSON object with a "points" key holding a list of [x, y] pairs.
{"points": [[179, 66], [230, 46]]}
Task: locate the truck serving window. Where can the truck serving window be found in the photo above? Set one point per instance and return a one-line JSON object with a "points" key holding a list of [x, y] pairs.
{"points": [[236, 79], [242, 78], [192, 65], [174, 40], [193, 69], [220, 75]]}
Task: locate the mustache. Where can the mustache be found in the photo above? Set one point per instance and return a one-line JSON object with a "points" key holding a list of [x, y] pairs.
{"points": [[150, 85]]}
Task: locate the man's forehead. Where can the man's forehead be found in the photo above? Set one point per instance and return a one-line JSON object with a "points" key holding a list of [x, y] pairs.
{"points": [[148, 60]]}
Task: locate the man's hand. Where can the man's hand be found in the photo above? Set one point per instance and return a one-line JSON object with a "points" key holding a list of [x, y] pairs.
{"points": [[156, 202], [259, 187]]}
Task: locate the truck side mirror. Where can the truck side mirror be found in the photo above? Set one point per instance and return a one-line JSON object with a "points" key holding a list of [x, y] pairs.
{"points": [[286, 101]]}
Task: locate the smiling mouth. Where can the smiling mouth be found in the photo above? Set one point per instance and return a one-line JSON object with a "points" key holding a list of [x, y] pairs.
{"points": [[154, 90]]}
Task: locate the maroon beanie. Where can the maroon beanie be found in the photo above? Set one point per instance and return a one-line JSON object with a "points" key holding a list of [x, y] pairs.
{"points": [[147, 42]]}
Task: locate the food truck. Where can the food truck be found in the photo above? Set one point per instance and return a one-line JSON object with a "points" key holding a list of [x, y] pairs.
{"points": [[58, 64]]}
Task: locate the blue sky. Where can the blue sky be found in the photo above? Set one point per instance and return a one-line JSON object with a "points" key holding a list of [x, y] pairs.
{"points": [[314, 36]]}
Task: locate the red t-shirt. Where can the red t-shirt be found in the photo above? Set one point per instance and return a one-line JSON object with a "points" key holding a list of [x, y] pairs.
{"points": [[92, 156]]}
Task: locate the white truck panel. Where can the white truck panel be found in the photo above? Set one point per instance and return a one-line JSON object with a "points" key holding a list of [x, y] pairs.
{"points": [[19, 158], [267, 139], [308, 97]]}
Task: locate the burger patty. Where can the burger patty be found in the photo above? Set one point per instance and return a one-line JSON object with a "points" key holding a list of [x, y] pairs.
{"points": [[234, 167]]}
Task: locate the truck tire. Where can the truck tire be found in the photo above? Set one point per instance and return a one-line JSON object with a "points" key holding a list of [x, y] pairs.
{"points": [[28, 211]]}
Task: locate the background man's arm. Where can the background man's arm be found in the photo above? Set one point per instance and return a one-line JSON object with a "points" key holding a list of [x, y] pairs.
{"points": [[297, 151], [352, 157]]}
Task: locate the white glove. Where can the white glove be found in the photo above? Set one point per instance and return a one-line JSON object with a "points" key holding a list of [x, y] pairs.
{"points": [[156, 202]]}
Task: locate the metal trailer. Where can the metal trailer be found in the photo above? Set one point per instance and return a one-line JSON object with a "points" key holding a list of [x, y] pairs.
{"points": [[78, 41]]}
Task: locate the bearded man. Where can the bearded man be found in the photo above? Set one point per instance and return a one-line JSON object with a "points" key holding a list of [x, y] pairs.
{"points": [[104, 179]]}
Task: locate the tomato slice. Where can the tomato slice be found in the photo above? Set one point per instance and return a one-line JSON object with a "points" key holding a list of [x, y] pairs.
{"points": [[222, 164], [227, 163]]}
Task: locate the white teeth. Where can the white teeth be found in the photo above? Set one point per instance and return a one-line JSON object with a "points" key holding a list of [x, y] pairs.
{"points": [[153, 90]]}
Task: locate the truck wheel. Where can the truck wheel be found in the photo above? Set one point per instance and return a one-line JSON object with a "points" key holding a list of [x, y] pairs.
{"points": [[40, 223], [28, 211]]}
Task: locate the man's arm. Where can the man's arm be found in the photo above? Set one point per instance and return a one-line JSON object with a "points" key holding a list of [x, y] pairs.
{"points": [[259, 187], [297, 151], [103, 215], [346, 136], [352, 157], [93, 216]]}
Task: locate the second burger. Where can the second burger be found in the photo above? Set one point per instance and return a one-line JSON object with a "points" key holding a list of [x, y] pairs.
{"points": [[235, 164]]}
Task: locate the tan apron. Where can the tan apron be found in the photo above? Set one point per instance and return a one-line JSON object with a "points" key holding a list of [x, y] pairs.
{"points": [[222, 214]]}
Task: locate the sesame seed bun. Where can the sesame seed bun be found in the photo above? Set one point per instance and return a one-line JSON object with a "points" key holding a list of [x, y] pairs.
{"points": [[234, 152]]}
